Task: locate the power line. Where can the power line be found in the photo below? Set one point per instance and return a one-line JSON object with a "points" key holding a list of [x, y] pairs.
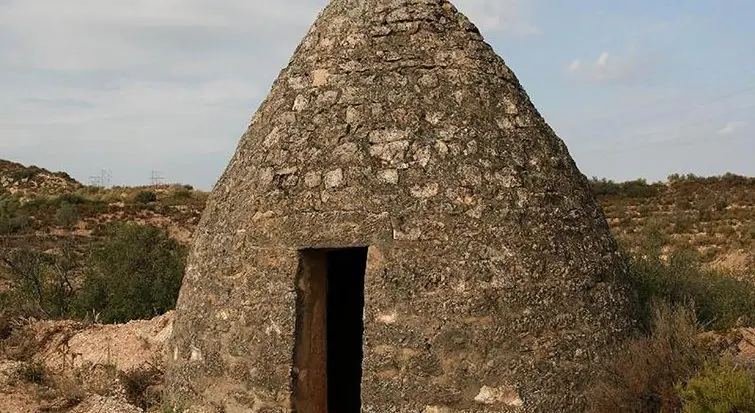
{"points": [[157, 178], [102, 180]]}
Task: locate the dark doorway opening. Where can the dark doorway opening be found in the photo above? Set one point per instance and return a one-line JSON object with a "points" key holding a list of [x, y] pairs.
{"points": [[327, 372]]}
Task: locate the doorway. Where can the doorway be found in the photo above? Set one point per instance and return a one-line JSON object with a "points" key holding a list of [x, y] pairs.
{"points": [[327, 372]]}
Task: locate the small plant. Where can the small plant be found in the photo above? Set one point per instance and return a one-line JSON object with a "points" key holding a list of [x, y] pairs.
{"points": [[23, 174], [73, 199], [720, 388], [641, 378], [145, 197], [34, 372], [67, 215], [167, 408], [12, 218], [138, 384], [182, 193]]}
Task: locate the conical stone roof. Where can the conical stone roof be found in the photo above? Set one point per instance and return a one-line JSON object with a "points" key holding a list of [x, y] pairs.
{"points": [[492, 281]]}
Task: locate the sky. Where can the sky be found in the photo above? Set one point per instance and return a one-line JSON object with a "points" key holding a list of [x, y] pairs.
{"points": [[636, 89]]}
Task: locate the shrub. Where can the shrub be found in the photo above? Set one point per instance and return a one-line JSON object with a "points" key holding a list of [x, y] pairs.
{"points": [[73, 199], [145, 197], [12, 217], [182, 193], [136, 274], [40, 283], [39, 202], [33, 372], [67, 215], [641, 378], [721, 301], [22, 174], [720, 388], [138, 383], [639, 188], [604, 187]]}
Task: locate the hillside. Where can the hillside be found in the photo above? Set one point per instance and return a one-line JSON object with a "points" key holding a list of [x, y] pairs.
{"points": [[714, 216], [33, 181], [40, 209]]}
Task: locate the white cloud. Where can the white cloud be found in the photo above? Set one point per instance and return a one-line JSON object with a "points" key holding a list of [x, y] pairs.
{"points": [[608, 68], [139, 34], [512, 17], [139, 84], [731, 128]]}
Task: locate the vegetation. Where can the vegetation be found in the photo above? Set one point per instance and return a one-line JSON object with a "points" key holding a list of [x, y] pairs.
{"points": [[136, 274], [12, 218], [67, 215], [41, 283], [24, 174], [145, 197], [721, 387], [638, 188], [719, 300], [137, 384], [711, 215], [34, 372], [643, 375], [669, 367]]}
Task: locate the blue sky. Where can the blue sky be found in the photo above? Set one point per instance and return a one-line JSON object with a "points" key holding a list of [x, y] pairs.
{"points": [[635, 89]]}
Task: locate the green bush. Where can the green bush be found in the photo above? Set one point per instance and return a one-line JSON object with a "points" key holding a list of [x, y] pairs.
{"points": [[638, 188], [22, 174], [73, 199], [67, 215], [145, 197], [720, 388], [12, 218], [721, 301], [182, 193], [34, 372], [136, 274]]}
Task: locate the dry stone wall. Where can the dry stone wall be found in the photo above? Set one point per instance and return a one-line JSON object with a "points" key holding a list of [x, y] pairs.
{"points": [[492, 285]]}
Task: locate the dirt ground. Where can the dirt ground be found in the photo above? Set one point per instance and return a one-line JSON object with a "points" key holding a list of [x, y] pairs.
{"points": [[70, 367]]}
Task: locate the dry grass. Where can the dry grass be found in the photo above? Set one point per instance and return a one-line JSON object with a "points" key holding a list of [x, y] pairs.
{"points": [[642, 377]]}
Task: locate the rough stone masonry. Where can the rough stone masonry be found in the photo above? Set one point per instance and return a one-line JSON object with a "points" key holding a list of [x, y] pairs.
{"points": [[492, 283]]}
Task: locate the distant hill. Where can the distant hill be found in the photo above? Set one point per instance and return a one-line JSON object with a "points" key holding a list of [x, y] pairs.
{"points": [[44, 211], [32, 180], [714, 216]]}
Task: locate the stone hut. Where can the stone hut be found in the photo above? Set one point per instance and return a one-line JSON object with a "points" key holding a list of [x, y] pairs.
{"points": [[398, 231]]}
